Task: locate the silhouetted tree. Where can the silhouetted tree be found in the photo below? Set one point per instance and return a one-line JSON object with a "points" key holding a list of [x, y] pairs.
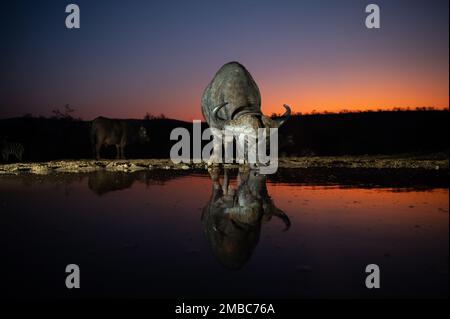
{"points": [[148, 116], [65, 114]]}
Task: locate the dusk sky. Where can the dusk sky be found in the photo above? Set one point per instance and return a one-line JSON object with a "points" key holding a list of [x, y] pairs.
{"points": [[133, 57]]}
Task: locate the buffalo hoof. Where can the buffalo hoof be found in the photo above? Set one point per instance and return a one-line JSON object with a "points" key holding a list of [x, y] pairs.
{"points": [[214, 160]]}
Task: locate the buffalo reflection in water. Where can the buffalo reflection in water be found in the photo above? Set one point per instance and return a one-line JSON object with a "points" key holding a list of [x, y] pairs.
{"points": [[103, 181], [233, 216]]}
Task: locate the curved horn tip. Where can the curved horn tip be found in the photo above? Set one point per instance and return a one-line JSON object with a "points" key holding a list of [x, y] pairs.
{"points": [[217, 109], [288, 110], [284, 117]]}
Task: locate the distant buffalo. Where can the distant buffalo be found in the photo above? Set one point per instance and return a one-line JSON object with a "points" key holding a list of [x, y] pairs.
{"points": [[120, 133]]}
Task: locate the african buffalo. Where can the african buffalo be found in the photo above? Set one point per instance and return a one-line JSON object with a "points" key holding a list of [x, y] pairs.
{"points": [[232, 100], [120, 133]]}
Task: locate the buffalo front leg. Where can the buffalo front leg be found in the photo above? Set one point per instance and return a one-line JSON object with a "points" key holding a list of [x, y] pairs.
{"points": [[94, 151], [216, 153], [97, 148], [122, 152], [122, 144], [226, 181]]}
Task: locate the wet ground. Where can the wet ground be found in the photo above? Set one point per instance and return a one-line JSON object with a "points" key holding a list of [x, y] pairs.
{"points": [[302, 233], [437, 162]]}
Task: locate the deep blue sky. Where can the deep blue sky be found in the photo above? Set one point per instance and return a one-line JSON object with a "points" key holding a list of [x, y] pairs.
{"points": [[132, 57]]}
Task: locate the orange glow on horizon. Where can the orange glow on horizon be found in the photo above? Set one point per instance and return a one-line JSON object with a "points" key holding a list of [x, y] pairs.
{"points": [[354, 91]]}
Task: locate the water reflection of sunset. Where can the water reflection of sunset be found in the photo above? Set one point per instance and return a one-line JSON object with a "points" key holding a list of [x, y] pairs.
{"points": [[157, 224], [364, 206]]}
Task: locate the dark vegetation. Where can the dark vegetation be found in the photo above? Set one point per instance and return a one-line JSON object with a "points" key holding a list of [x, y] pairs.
{"points": [[387, 132], [382, 132]]}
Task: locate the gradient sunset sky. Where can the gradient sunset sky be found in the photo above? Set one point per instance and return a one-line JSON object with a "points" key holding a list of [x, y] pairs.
{"points": [[133, 57]]}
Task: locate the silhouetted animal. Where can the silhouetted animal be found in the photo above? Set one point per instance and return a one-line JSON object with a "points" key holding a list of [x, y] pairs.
{"points": [[232, 100], [102, 182], [120, 133], [232, 218], [10, 148]]}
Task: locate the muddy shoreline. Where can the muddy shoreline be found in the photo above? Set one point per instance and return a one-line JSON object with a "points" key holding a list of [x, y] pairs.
{"points": [[438, 163]]}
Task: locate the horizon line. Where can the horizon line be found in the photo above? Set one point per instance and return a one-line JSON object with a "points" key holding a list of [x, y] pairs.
{"points": [[162, 116]]}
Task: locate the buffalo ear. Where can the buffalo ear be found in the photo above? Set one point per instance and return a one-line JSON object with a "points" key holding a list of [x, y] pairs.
{"points": [[267, 122]]}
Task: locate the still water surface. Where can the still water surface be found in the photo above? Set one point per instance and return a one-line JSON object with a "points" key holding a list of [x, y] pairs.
{"points": [[149, 235]]}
